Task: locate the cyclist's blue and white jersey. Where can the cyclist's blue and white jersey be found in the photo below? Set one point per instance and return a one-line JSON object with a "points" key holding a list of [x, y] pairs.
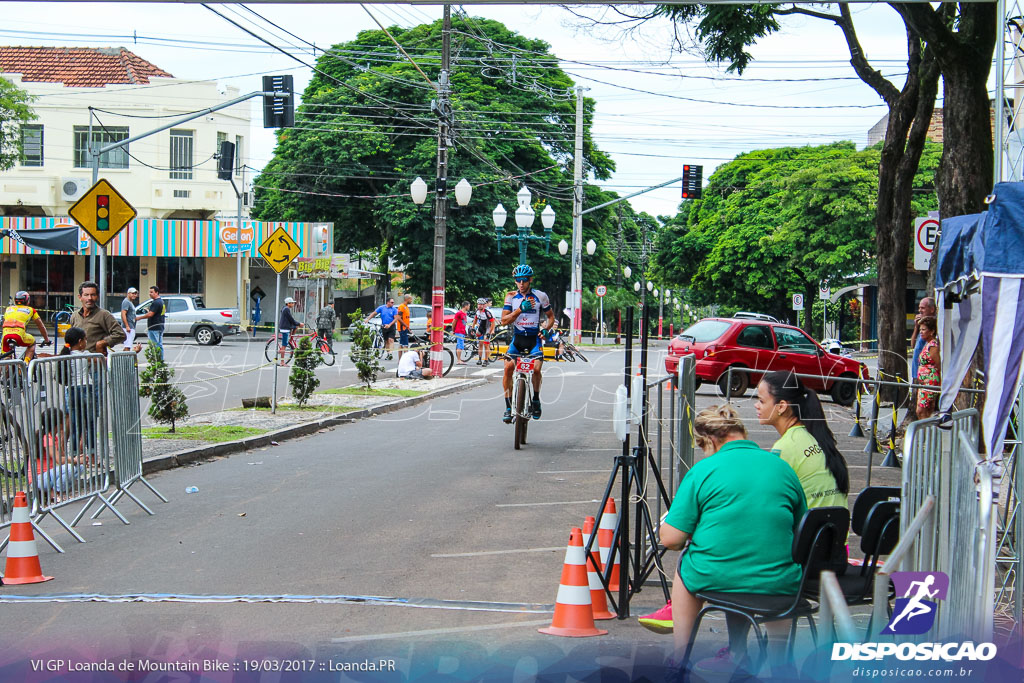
{"points": [[527, 324]]}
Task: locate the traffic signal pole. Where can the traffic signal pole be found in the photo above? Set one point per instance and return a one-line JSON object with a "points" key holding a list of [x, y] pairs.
{"points": [[97, 152]]}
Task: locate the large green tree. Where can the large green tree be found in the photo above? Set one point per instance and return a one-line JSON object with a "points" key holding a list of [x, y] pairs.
{"points": [[780, 221], [960, 39], [365, 130], [14, 111]]}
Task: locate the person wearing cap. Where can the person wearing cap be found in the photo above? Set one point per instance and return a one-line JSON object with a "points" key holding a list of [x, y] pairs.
{"points": [[484, 326], [131, 300], [286, 324]]}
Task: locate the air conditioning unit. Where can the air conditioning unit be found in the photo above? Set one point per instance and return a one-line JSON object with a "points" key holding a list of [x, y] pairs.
{"points": [[72, 189], [247, 199]]}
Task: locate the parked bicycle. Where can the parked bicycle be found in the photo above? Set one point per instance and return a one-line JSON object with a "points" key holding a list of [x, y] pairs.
{"points": [[321, 346], [522, 395], [447, 357]]}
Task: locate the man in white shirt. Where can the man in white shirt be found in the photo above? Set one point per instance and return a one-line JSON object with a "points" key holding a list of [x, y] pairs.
{"points": [[410, 366]]}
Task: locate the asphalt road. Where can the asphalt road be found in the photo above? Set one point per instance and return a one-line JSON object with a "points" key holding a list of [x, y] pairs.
{"points": [[425, 505]]}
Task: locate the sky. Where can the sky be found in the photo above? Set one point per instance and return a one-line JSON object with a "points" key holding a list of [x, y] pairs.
{"points": [[656, 109]]}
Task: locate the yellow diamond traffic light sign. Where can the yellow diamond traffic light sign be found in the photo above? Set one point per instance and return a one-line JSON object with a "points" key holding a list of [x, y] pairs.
{"points": [[279, 249], [102, 212]]}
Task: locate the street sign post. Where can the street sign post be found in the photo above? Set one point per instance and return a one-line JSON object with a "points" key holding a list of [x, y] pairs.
{"points": [[601, 291], [824, 293], [926, 234], [102, 212], [279, 250]]}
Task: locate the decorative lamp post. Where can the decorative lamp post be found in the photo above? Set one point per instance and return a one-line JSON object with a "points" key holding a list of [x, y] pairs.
{"points": [[524, 221], [418, 191], [636, 286]]}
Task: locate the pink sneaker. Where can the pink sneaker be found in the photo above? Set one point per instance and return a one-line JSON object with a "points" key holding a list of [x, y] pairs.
{"points": [[721, 663], [660, 621]]}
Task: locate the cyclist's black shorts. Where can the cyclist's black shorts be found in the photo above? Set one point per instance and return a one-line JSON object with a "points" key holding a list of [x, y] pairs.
{"points": [[388, 332], [525, 345]]}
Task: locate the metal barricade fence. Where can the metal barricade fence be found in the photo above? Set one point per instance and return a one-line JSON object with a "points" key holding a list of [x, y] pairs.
{"points": [[73, 433], [126, 423], [941, 468], [15, 434]]}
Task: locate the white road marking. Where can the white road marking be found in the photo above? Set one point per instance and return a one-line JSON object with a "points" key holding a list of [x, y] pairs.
{"points": [[564, 502], [438, 631], [587, 450], [570, 471], [499, 552]]}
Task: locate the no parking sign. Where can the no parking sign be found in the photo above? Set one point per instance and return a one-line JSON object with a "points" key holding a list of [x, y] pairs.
{"points": [[926, 234]]}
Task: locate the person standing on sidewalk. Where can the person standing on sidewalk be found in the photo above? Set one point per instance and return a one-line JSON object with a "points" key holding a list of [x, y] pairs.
{"points": [[483, 319], [325, 325], [924, 309], [131, 299], [388, 314], [102, 330], [404, 321], [156, 318], [459, 324]]}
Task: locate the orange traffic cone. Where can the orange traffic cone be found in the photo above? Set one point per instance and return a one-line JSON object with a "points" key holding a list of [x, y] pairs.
{"points": [[22, 557], [573, 615], [598, 601], [605, 536]]}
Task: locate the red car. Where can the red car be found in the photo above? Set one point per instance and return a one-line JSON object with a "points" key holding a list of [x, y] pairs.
{"points": [[721, 343]]}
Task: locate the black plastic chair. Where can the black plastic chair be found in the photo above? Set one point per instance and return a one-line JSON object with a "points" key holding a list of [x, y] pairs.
{"points": [[819, 540], [876, 518]]}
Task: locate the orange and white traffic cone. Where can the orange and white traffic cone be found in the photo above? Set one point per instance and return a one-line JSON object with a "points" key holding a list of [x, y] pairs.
{"points": [[598, 601], [22, 557], [573, 615], [605, 536]]}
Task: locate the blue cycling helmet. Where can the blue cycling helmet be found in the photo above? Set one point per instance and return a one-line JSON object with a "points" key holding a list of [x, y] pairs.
{"points": [[522, 270]]}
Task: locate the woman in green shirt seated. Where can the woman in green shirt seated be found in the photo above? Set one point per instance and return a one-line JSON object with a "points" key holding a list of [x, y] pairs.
{"points": [[805, 441], [735, 513]]}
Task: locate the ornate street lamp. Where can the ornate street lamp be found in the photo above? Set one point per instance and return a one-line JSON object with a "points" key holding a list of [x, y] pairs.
{"points": [[524, 221]]}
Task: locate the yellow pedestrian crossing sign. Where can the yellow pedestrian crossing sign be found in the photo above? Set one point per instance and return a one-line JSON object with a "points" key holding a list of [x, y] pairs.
{"points": [[102, 212], [279, 249]]}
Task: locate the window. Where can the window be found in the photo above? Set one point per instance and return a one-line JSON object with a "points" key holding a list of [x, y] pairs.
{"points": [[176, 275], [755, 336], [706, 330], [115, 158], [221, 137], [176, 305], [31, 145], [238, 155], [181, 154], [794, 340]]}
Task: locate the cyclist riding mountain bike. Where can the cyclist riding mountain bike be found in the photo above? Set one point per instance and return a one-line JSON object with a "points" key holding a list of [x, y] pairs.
{"points": [[15, 329], [483, 321], [522, 311], [286, 325]]}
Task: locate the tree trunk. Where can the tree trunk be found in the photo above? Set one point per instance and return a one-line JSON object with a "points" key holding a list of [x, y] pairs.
{"points": [[909, 117], [966, 177]]}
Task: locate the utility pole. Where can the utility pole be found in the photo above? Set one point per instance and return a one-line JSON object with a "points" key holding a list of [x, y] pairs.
{"points": [[618, 312], [443, 111], [577, 224]]}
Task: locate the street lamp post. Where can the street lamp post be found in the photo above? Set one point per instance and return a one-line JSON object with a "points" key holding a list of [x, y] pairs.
{"points": [[463, 192], [576, 305], [524, 221]]}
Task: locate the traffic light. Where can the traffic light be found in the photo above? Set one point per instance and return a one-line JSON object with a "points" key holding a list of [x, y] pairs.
{"points": [[278, 112], [226, 163], [693, 176], [103, 212]]}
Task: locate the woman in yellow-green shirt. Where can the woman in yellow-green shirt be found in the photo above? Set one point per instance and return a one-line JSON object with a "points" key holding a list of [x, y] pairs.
{"points": [[805, 440]]}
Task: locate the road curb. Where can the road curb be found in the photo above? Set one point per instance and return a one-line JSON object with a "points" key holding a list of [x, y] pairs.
{"points": [[178, 458]]}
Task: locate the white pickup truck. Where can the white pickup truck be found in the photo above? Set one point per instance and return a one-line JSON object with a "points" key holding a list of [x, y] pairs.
{"points": [[187, 316]]}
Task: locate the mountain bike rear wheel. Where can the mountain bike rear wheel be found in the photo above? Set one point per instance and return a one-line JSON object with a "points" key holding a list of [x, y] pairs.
{"points": [[518, 407]]}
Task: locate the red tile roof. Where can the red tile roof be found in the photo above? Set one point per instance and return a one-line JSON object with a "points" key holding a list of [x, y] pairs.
{"points": [[81, 67]]}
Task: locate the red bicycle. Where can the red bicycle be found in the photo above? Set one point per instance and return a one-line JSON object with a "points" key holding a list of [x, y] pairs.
{"points": [[321, 346]]}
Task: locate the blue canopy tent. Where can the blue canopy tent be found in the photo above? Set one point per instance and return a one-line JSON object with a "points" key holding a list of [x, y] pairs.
{"points": [[981, 267]]}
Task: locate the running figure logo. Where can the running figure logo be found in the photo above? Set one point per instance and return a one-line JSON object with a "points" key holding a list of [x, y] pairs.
{"points": [[914, 613]]}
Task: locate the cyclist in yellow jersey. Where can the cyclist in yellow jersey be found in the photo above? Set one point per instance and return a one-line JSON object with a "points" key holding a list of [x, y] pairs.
{"points": [[15, 329]]}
